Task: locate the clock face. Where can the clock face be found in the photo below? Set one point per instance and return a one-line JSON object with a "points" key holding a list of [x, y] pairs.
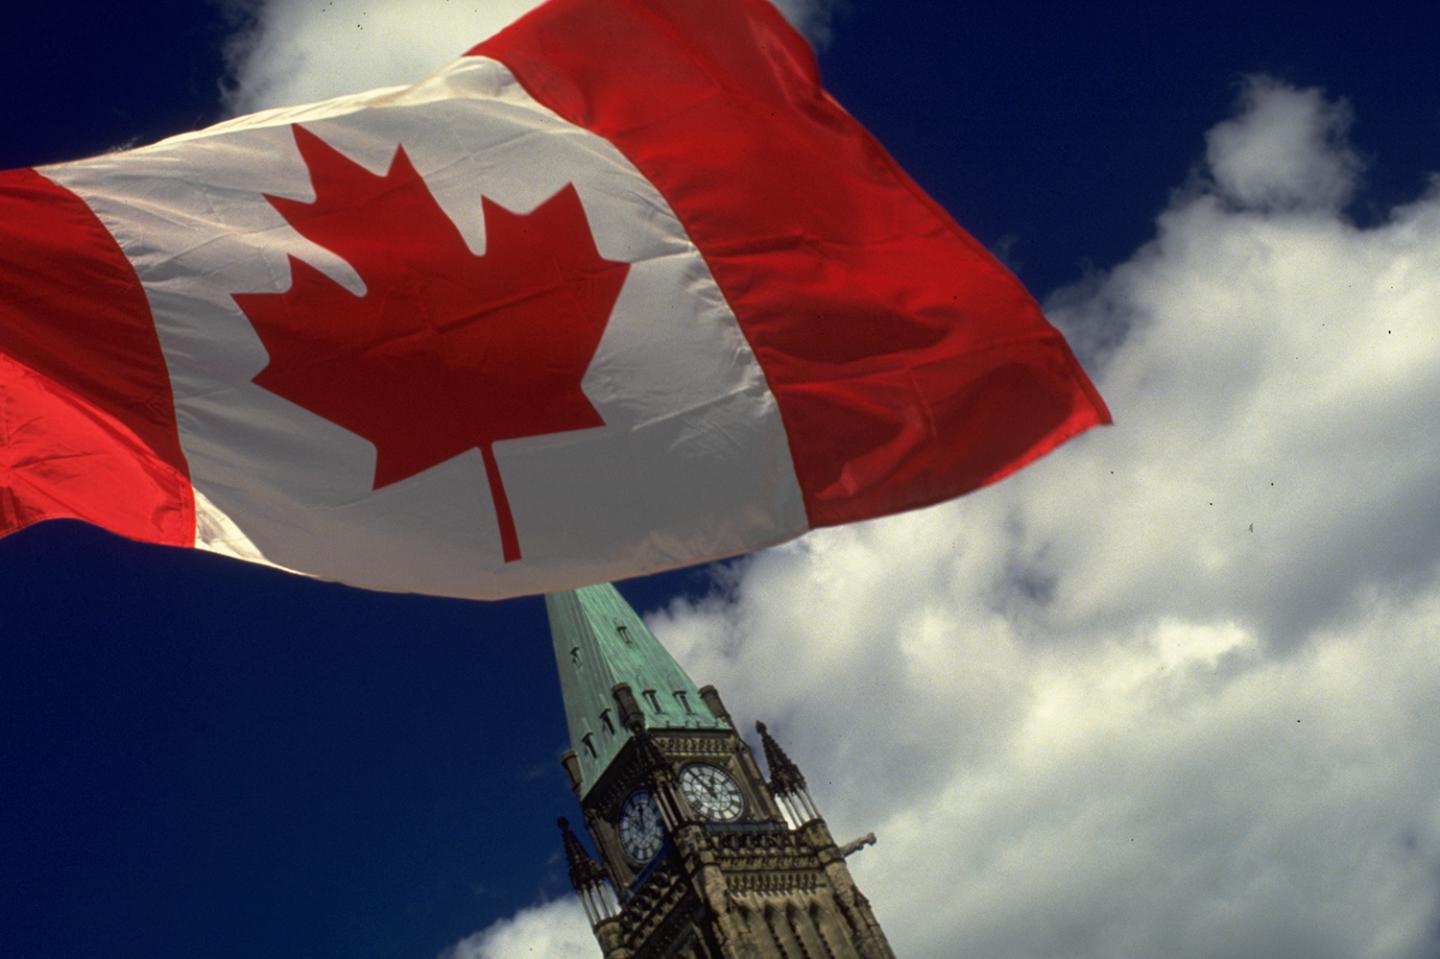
{"points": [[711, 792], [641, 829]]}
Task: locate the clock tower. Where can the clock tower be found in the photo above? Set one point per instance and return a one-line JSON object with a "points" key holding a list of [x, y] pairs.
{"points": [[700, 856]]}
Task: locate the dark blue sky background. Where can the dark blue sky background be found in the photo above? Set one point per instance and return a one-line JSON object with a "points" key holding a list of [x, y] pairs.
{"points": [[202, 757]]}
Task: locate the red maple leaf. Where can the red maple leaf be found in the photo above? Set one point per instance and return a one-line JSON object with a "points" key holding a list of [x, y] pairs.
{"points": [[445, 351]]}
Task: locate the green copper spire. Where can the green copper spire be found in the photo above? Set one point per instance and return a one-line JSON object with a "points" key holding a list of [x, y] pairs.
{"points": [[599, 643]]}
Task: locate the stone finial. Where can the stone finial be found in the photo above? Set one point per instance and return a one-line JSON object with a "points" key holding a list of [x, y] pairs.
{"points": [[584, 871], [571, 764], [711, 698], [785, 776], [632, 717]]}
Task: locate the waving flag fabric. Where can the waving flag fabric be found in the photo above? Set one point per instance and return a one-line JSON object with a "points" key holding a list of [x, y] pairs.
{"points": [[620, 290]]}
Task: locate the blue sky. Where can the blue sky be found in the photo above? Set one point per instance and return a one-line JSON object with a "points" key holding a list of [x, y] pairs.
{"points": [[1190, 659]]}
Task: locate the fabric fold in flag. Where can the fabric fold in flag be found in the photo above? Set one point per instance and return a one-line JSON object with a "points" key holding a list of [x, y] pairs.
{"points": [[620, 290]]}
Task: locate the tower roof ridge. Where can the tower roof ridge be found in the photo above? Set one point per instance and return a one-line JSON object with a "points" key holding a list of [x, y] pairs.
{"points": [[601, 642]]}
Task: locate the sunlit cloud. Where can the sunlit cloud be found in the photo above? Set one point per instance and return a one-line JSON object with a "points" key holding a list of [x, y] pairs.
{"points": [[553, 930]]}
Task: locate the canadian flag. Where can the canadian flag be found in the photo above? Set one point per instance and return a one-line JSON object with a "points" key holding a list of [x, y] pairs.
{"points": [[622, 289]]}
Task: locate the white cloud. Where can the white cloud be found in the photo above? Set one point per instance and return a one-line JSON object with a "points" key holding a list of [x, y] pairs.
{"points": [[298, 51], [814, 18], [553, 930], [1286, 149], [1171, 690]]}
